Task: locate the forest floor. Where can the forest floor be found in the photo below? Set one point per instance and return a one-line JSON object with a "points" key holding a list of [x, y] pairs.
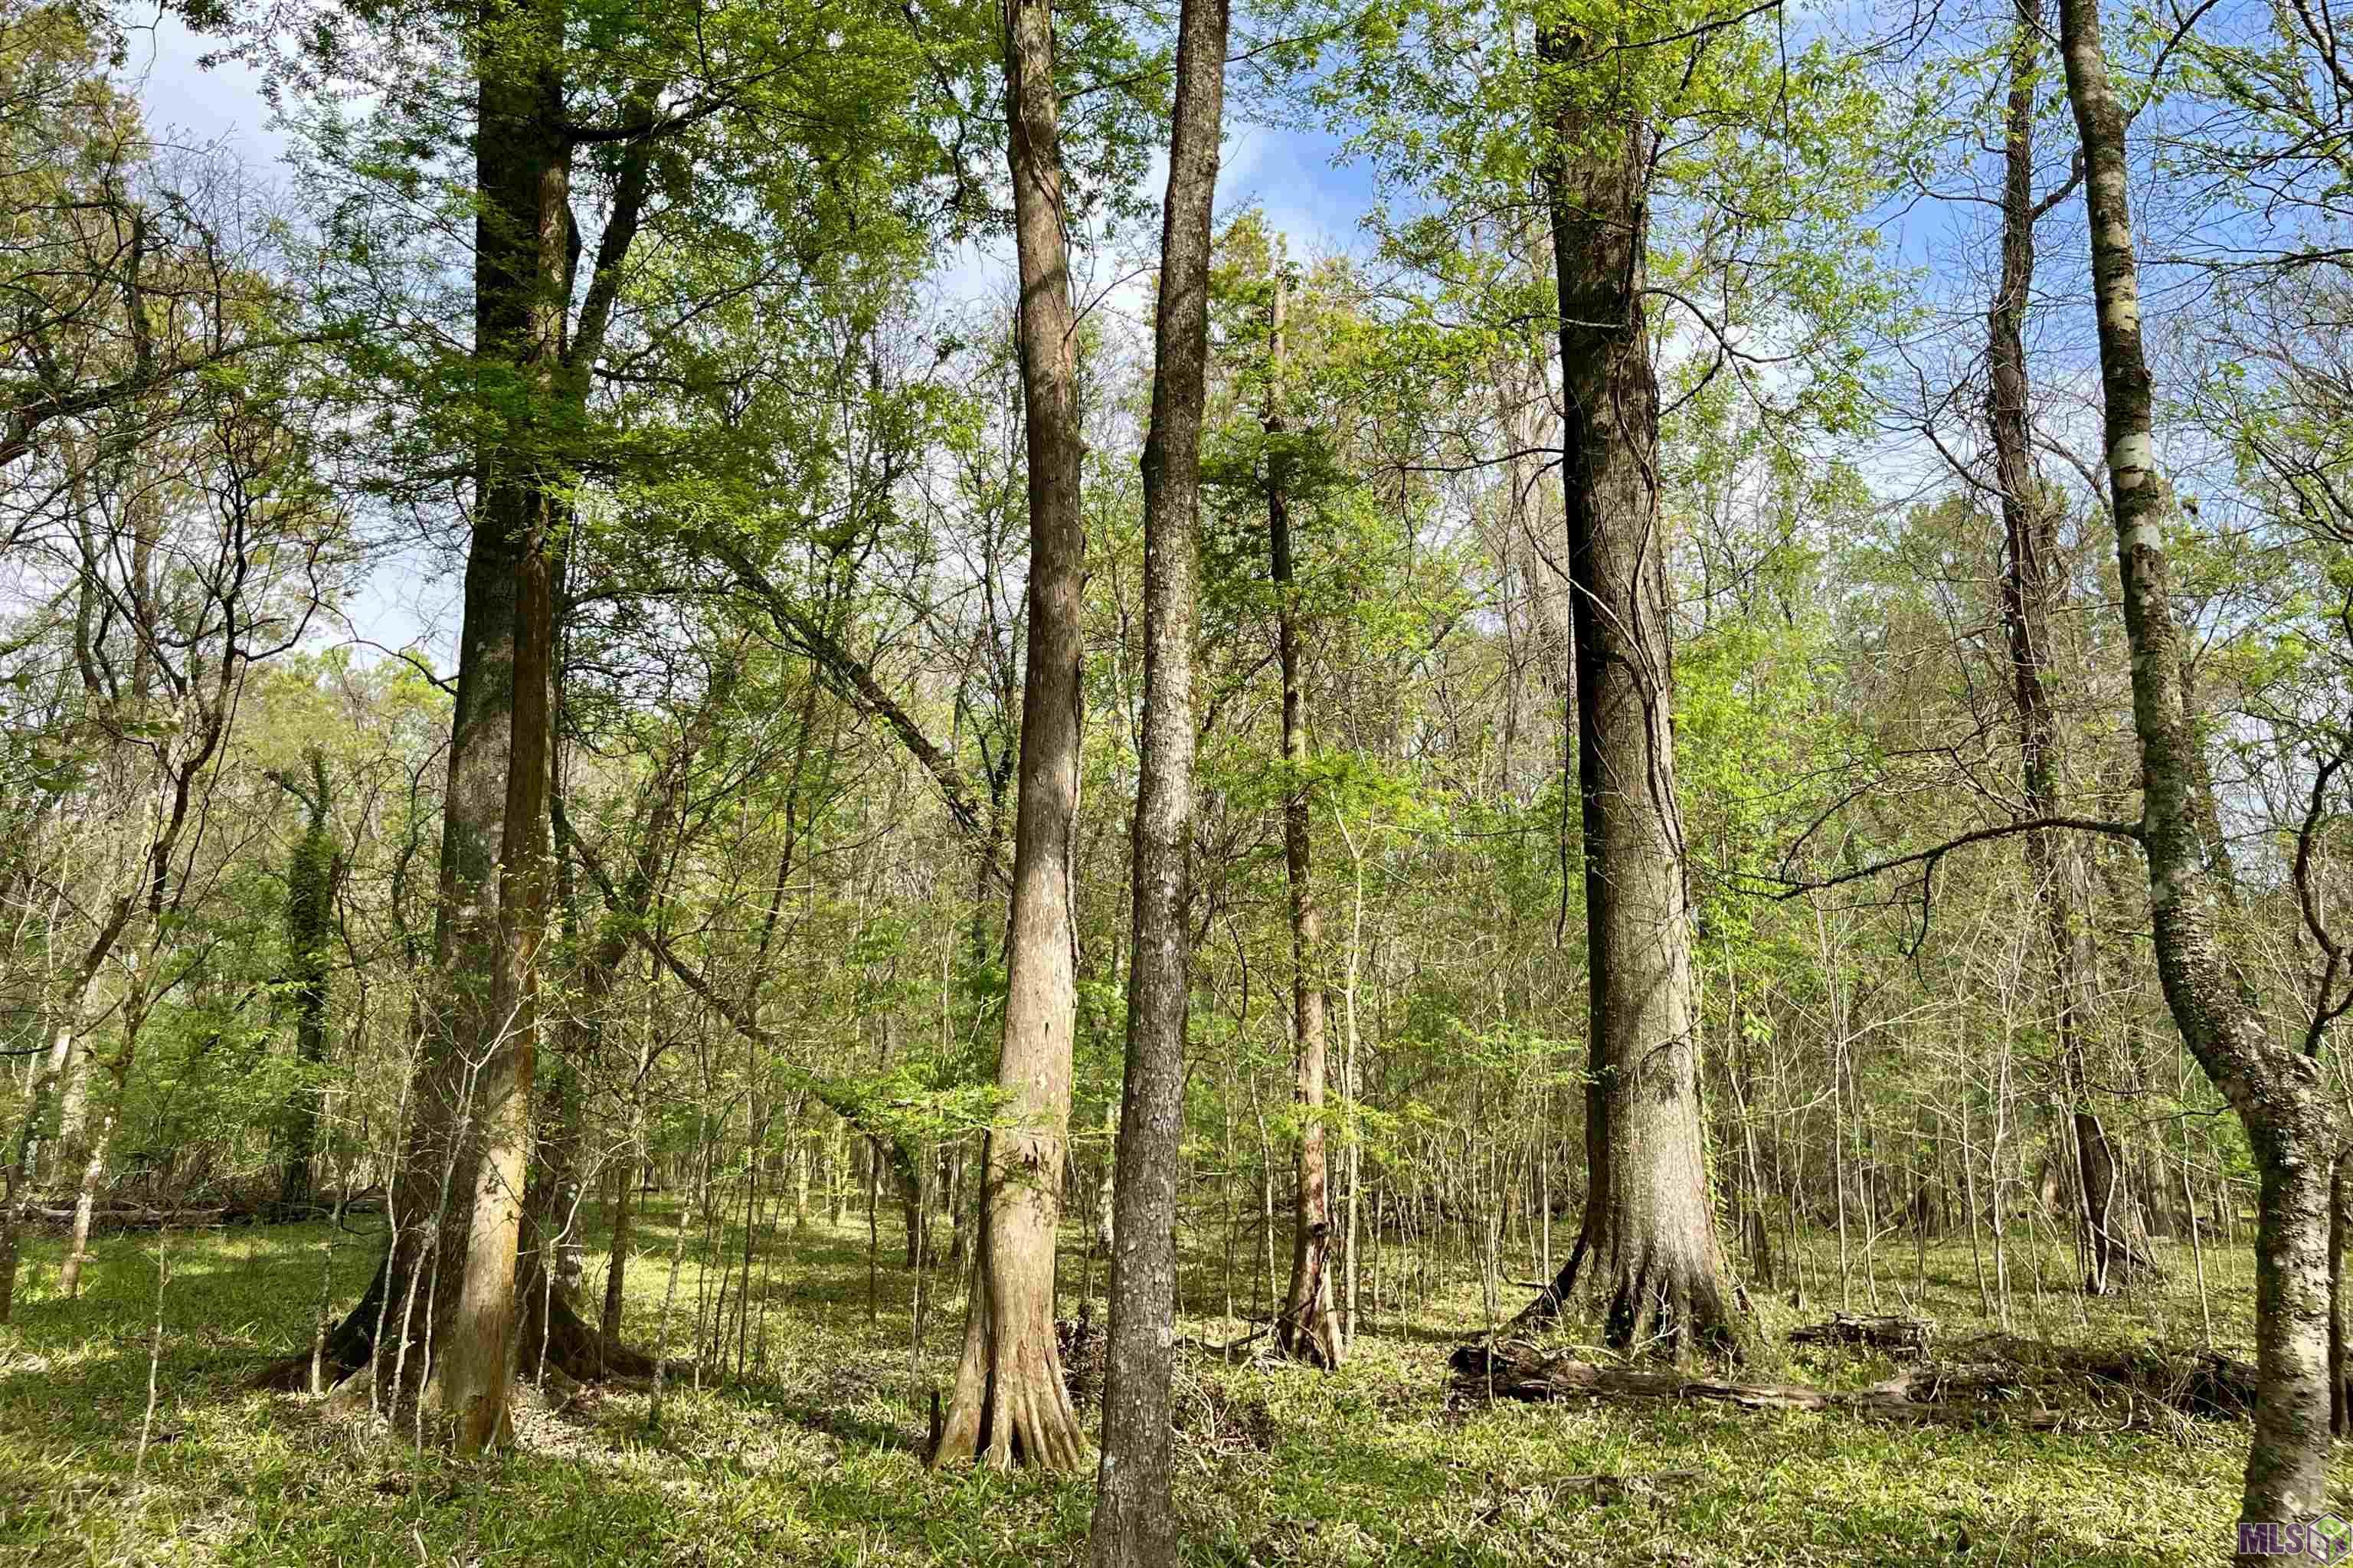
{"points": [[814, 1455]]}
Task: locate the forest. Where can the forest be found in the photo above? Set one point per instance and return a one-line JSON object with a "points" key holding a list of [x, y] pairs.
{"points": [[1131, 781]]}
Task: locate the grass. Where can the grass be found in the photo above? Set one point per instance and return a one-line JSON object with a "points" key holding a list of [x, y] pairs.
{"points": [[815, 1458]]}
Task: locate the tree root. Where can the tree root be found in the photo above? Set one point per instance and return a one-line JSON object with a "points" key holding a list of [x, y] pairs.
{"points": [[552, 1334], [1651, 1299]]}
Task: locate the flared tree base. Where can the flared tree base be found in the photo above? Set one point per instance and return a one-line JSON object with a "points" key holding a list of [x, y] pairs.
{"points": [[551, 1335], [1651, 1297], [1010, 1406]]}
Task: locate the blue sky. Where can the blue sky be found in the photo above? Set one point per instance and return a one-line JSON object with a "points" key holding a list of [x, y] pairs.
{"points": [[186, 103]]}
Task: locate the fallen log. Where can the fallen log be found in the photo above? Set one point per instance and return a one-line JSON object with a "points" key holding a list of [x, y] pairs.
{"points": [[1900, 1335], [109, 1217], [122, 1219], [1519, 1370], [2201, 1383], [1229, 1353]]}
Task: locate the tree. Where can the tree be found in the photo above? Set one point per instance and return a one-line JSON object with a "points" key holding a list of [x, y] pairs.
{"points": [[1132, 1526], [2275, 1089], [311, 872], [504, 401], [107, 253], [1009, 1404], [1601, 123], [193, 541], [2030, 516], [1307, 1327], [1647, 1247]]}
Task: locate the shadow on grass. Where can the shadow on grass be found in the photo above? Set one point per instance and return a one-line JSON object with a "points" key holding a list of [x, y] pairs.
{"points": [[826, 1417]]}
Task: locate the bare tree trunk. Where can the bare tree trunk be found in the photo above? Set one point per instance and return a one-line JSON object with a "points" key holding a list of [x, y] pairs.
{"points": [[1307, 1328], [2029, 592], [15, 1191], [2340, 1396], [95, 1150], [1648, 1247], [617, 1259], [93, 1172], [1132, 1526], [2274, 1090], [477, 1363], [1009, 1404]]}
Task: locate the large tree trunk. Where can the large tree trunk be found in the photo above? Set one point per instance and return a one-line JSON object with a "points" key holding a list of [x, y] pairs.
{"points": [[2029, 592], [1132, 1526], [445, 1298], [2276, 1090], [1009, 1404], [1308, 1328], [1647, 1249], [478, 1361]]}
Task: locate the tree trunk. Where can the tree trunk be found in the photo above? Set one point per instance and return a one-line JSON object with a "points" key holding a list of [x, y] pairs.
{"points": [[618, 1256], [2029, 592], [1648, 1247], [1009, 1404], [93, 1172], [478, 1363], [2274, 1090], [17, 1191], [70, 1061], [309, 920], [1308, 1328], [449, 1285], [803, 1161], [2340, 1396], [915, 1198], [1132, 1526]]}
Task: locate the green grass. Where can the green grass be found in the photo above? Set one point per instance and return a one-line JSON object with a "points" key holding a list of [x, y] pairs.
{"points": [[816, 1458]]}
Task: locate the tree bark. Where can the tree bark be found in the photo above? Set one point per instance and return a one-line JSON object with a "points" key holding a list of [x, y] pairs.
{"points": [[1132, 1526], [95, 1150], [478, 1363], [1307, 1330], [2340, 1394], [2030, 593], [16, 1182], [1647, 1249], [1009, 1404], [2274, 1090], [617, 1261]]}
